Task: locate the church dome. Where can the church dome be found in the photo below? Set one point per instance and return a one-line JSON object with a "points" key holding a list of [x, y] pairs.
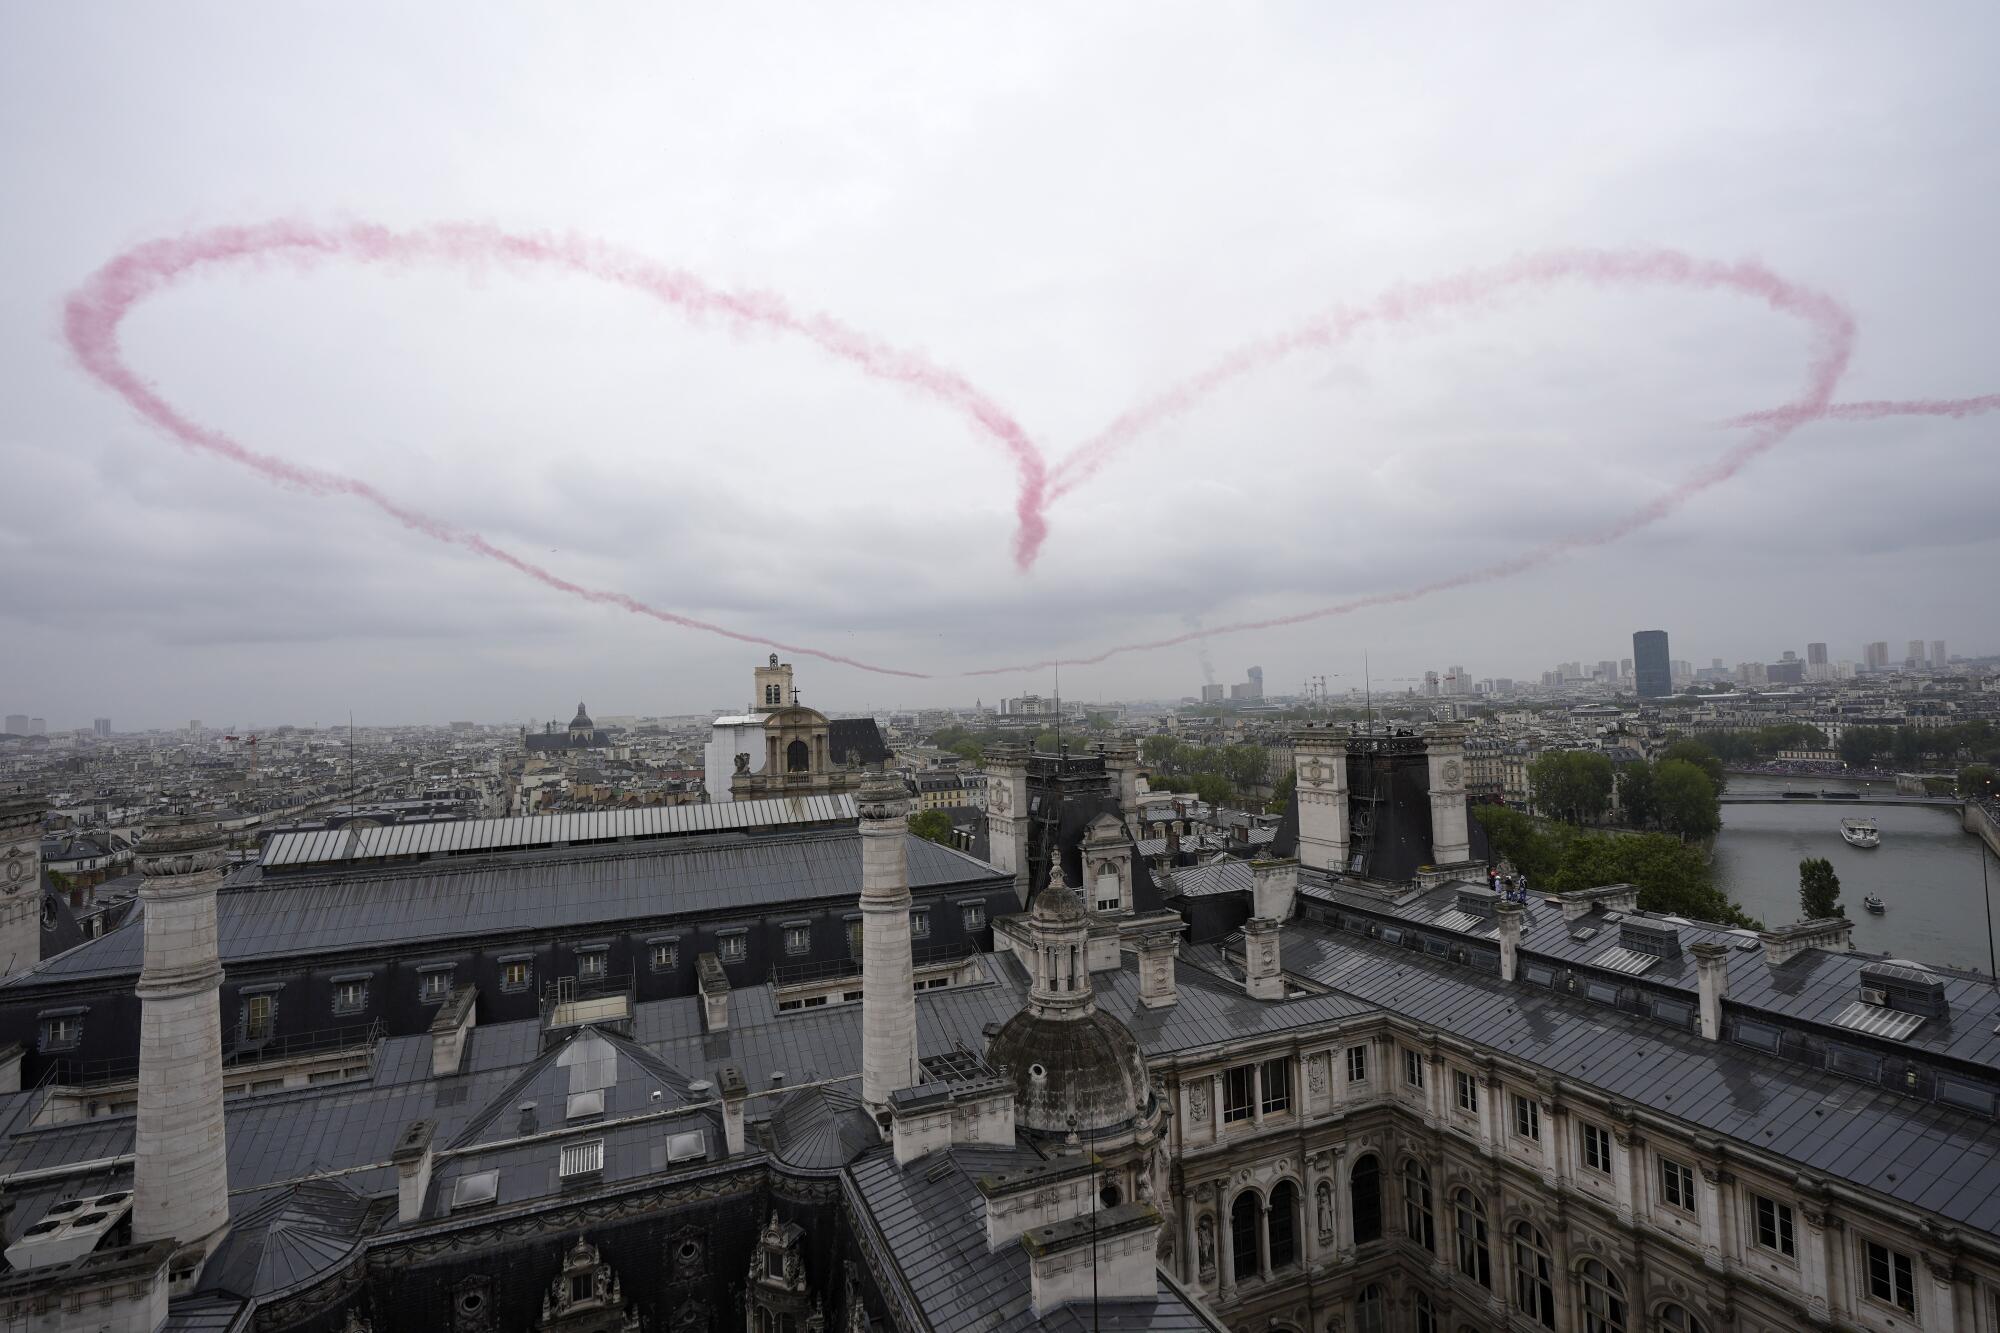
{"points": [[1058, 904], [581, 722], [1087, 1066]]}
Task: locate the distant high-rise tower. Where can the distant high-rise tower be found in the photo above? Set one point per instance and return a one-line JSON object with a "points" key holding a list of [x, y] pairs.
{"points": [[1915, 655], [1815, 654], [1875, 656], [1256, 676], [1651, 671], [101, 726], [1938, 657]]}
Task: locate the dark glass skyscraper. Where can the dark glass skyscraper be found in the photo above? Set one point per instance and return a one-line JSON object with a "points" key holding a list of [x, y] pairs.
{"points": [[1649, 664]]}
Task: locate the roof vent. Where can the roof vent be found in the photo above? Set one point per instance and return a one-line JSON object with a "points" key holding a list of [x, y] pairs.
{"points": [[1653, 937], [582, 1159], [687, 1147], [69, 1230], [1907, 988]]}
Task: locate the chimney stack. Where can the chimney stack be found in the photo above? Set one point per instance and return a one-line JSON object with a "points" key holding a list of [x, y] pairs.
{"points": [[1711, 963], [1274, 887], [713, 983], [1450, 838], [181, 1163], [1263, 973], [20, 881], [1319, 757], [412, 1156], [888, 1002], [1158, 987], [1007, 814], [729, 1080], [1509, 914]]}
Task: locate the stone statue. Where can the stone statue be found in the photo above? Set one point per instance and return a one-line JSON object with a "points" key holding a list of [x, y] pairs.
{"points": [[742, 763], [1204, 1231], [1325, 1213]]}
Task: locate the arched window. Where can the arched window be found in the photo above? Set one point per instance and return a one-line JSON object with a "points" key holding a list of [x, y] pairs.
{"points": [[1469, 1215], [1603, 1299], [771, 696], [1423, 1317], [798, 759], [1534, 1291], [1368, 1310], [1417, 1218], [1364, 1190], [1282, 1221], [1243, 1235], [1679, 1319]]}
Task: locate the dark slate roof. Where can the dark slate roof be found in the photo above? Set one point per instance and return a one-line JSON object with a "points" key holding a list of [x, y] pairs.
{"points": [[931, 1218], [293, 1238], [857, 736], [528, 892], [821, 1128], [1916, 1153], [204, 1314], [1812, 987], [1216, 877]]}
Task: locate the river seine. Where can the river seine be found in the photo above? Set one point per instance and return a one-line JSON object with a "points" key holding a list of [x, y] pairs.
{"points": [[1926, 870]]}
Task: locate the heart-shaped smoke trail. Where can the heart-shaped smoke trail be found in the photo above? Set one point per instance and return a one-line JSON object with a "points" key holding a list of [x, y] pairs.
{"points": [[95, 312]]}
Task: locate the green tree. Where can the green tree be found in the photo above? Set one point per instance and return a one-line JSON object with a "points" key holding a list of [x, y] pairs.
{"points": [[1703, 758], [1819, 889], [1158, 752], [1211, 787], [1574, 784], [934, 825], [1281, 794], [1978, 780], [1861, 747], [969, 750], [1636, 795], [1685, 799]]}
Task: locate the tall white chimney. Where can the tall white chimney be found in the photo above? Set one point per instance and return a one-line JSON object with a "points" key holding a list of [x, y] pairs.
{"points": [[1451, 841], [888, 1001], [1320, 759], [181, 1163], [20, 881]]}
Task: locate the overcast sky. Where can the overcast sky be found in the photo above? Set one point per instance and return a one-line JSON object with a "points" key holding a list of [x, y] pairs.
{"points": [[1072, 206]]}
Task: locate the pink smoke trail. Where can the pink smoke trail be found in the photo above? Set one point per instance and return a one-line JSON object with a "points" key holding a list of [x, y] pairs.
{"points": [[94, 313], [1876, 409]]}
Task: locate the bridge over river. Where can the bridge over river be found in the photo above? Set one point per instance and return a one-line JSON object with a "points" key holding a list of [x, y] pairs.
{"points": [[1836, 798]]}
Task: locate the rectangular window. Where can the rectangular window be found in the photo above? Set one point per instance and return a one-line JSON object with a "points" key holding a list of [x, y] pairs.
{"points": [[1357, 1064], [592, 966], [62, 1032], [798, 939], [973, 917], [1413, 1069], [1676, 1185], [1277, 1086], [920, 923], [732, 948], [350, 997], [1891, 1278], [854, 938], [1236, 1094], [1528, 1118], [1774, 1227], [1109, 898], [1468, 1091], [258, 1012], [665, 957], [1596, 1148], [434, 987], [515, 975]]}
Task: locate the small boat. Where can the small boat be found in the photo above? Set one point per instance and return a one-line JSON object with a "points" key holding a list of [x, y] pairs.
{"points": [[1874, 904], [1860, 833]]}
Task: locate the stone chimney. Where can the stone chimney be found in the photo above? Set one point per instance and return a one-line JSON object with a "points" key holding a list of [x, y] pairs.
{"points": [[1158, 986], [1578, 903], [1263, 972], [1107, 1256], [713, 983], [450, 1029], [888, 1002], [1274, 888], [1007, 814], [735, 1091], [1711, 965], [20, 881], [1833, 933], [412, 1156], [180, 1160], [1509, 915], [1121, 761], [1451, 841], [1319, 757]]}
